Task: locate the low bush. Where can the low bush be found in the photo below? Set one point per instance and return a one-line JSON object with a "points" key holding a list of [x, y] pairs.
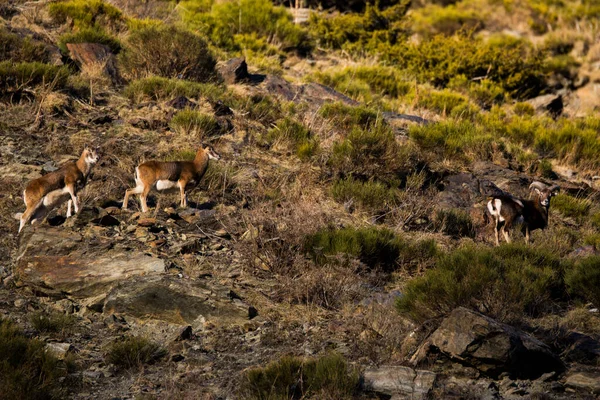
{"points": [[435, 19], [376, 248], [260, 108], [169, 52], [442, 102], [21, 49], [27, 371], [14, 77], [507, 283], [360, 33], [87, 14], [221, 22], [157, 88], [52, 322], [133, 351], [370, 194], [454, 222], [524, 109], [368, 153], [571, 207], [511, 63], [583, 280], [294, 133], [348, 117], [89, 35], [195, 123], [328, 376]]}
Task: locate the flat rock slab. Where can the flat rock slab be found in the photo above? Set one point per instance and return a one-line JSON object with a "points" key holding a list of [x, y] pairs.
{"points": [[56, 261], [584, 380], [399, 380], [177, 301]]}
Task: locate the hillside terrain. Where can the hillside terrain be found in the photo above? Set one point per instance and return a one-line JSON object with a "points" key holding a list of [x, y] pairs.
{"points": [[341, 247]]}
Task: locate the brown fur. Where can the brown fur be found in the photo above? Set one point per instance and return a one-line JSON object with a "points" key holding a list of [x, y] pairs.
{"points": [[185, 173], [71, 177]]}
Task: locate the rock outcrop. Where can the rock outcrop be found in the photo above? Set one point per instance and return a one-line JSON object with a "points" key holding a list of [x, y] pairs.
{"points": [[58, 262], [490, 346], [399, 380], [94, 56]]}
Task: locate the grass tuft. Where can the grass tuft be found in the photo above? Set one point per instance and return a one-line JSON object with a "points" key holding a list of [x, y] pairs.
{"points": [[133, 352]]}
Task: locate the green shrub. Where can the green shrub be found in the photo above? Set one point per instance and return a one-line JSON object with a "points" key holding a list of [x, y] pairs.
{"points": [[583, 280], [21, 49], [87, 14], [367, 152], [545, 169], [571, 207], [359, 32], [89, 35], [370, 194], [442, 102], [158, 88], [328, 376], [511, 63], [294, 133], [27, 371], [454, 222], [14, 77], [133, 351], [52, 322], [377, 248], [524, 109], [434, 19], [505, 282], [222, 21], [261, 108], [195, 123], [595, 220], [456, 139], [487, 94], [169, 52], [348, 117]]}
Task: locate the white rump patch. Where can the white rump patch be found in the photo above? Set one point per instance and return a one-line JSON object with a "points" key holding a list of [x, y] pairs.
{"points": [[165, 184], [55, 196], [494, 208]]}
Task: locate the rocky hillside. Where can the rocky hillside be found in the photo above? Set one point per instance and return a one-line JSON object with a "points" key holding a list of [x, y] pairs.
{"points": [[340, 248]]}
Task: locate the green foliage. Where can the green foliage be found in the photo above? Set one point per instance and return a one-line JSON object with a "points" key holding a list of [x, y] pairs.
{"points": [[195, 123], [169, 52], [52, 322], [89, 35], [370, 194], [362, 82], [359, 32], [511, 63], [221, 22], [442, 102], [21, 49], [260, 108], [524, 109], [435, 19], [158, 88], [133, 351], [454, 138], [368, 152], [27, 371], [294, 133], [583, 280], [377, 248], [545, 169], [14, 77], [328, 376], [454, 222], [571, 207], [507, 282], [348, 117], [86, 14]]}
